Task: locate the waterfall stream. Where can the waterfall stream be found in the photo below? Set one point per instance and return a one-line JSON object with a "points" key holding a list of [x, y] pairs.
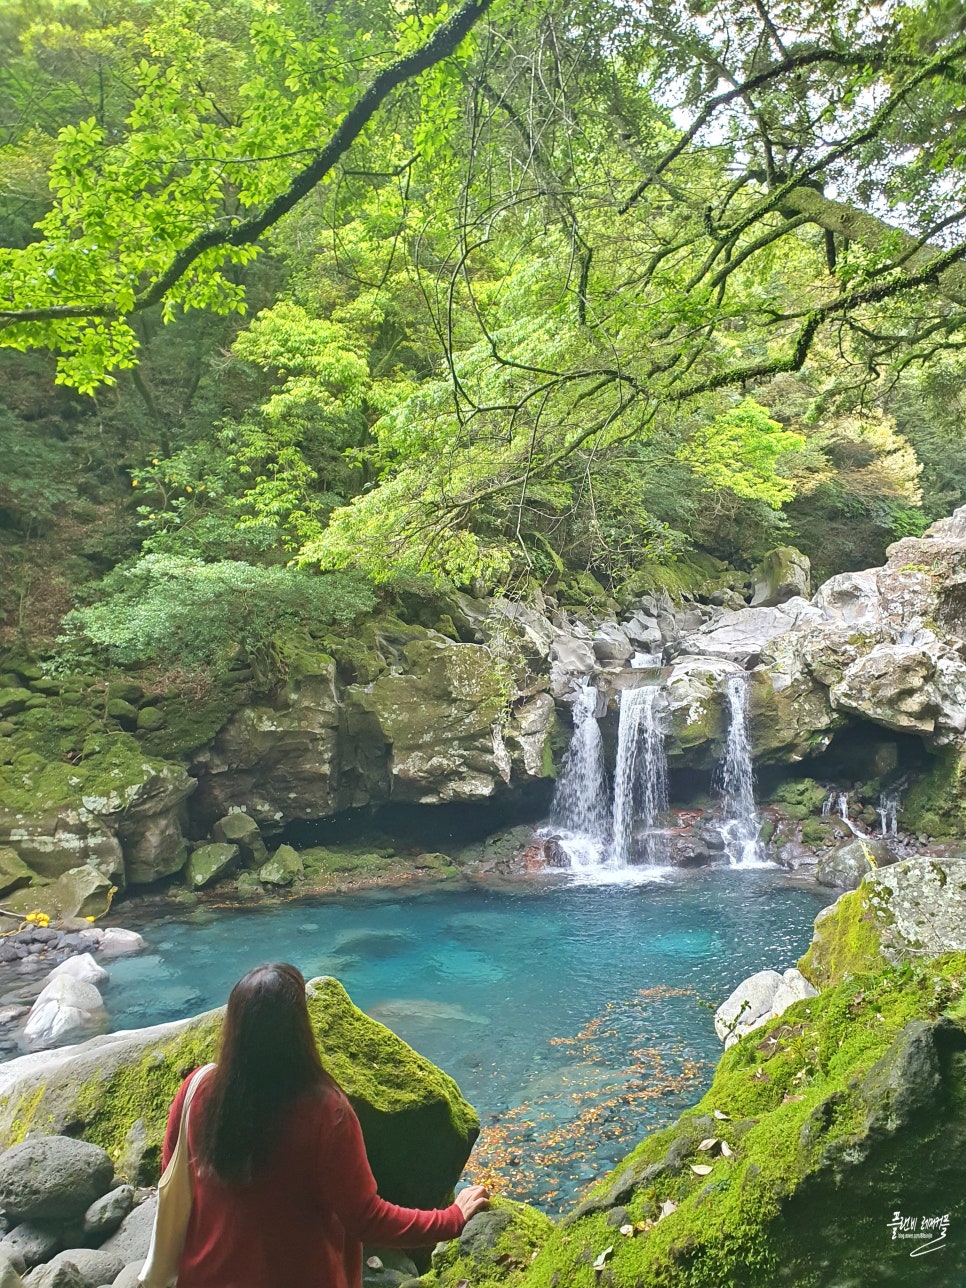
{"points": [[742, 822], [580, 809], [640, 780]]}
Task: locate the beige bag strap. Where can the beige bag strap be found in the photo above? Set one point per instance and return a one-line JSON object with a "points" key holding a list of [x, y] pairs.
{"points": [[197, 1078]]}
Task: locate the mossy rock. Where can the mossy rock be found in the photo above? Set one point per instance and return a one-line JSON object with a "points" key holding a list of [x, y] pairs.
{"points": [[239, 828], [124, 691], [284, 867], [936, 803], [14, 873], [116, 1091], [150, 719], [495, 1246], [209, 862], [321, 860], [123, 712], [799, 797], [13, 700], [846, 1109], [82, 891], [822, 831], [913, 909]]}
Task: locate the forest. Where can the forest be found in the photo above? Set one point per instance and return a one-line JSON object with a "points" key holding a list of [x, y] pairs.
{"points": [[306, 307]]}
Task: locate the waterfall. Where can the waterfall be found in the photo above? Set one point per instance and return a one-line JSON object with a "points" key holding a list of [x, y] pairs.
{"points": [[888, 812], [580, 806], [640, 778], [741, 821]]}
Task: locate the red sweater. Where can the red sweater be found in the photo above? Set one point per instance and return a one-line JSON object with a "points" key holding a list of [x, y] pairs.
{"points": [[303, 1221]]}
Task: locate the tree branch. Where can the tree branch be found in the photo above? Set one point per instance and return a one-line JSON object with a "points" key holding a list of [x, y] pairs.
{"points": [[440, 45]]}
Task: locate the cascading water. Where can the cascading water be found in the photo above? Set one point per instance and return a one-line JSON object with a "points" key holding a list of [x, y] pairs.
{"points": [[580, 812], [888, 812], [742, 823], [640, 780]]}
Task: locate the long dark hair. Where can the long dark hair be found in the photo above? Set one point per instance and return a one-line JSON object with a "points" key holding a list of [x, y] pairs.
{"points": [[268, 1059]]}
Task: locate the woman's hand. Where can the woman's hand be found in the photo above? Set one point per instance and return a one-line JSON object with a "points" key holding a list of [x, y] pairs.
{"points": [[472, 1200]]}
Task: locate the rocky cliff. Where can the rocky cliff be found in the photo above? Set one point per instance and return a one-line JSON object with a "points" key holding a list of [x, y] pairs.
{"points": [[473, 706]]}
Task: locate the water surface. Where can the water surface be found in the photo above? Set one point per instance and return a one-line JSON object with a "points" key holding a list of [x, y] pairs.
{"points": [[573, 1017]]}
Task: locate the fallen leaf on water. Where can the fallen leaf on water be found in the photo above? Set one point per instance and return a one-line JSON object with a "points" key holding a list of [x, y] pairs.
{"points": [[726, 1149], [604, 1258], [709, 1143], [720, 1115], [627, 1231], [667, 1207], [701, 1169]]}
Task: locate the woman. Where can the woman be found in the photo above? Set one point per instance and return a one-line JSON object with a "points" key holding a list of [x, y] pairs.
{"points": [[283, 1195]]}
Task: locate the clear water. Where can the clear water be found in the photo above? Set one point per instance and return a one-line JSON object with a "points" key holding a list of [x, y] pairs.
{"points": [[575, 1018]]}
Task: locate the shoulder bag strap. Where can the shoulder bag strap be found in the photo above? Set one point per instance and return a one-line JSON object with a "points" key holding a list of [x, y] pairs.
{"points": [[193, 1086]]}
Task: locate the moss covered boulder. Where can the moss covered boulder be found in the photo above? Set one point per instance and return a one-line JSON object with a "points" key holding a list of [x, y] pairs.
{"points": [[115, 1092], [70, 797], [911, 910], [495, 1246]]}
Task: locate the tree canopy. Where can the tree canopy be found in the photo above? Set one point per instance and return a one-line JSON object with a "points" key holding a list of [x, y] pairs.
{"points": [[483, 294]]}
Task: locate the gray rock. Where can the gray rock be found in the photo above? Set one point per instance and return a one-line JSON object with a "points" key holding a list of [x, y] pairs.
{"points": [[8, 1275], [65, 1006], [117, 942], [611, 645], [845, 867], [82, 967], [131, 1240], [96, 1266], [482, 1232], [783, 574], [105, 1214], [748, 1007], [13, 1260], [208, 863], [742, 637], [238, 828], [53, 1178], [130, 1276], [63, 1275], [33, 1242]]}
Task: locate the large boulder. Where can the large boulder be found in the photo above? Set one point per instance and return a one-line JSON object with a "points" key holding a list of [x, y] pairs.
{"points": [[783, 574], [909, 688], [114, 809], [115, 1091], [79, 892], [440, 723], [913, 909], [52, 1178], [66, 1007], [847, 866], [743, 636], [208, 863], [758, 999]]}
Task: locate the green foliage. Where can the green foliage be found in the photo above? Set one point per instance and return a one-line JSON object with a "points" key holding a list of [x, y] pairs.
{"points": [[171, 609], [742, 451]]}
